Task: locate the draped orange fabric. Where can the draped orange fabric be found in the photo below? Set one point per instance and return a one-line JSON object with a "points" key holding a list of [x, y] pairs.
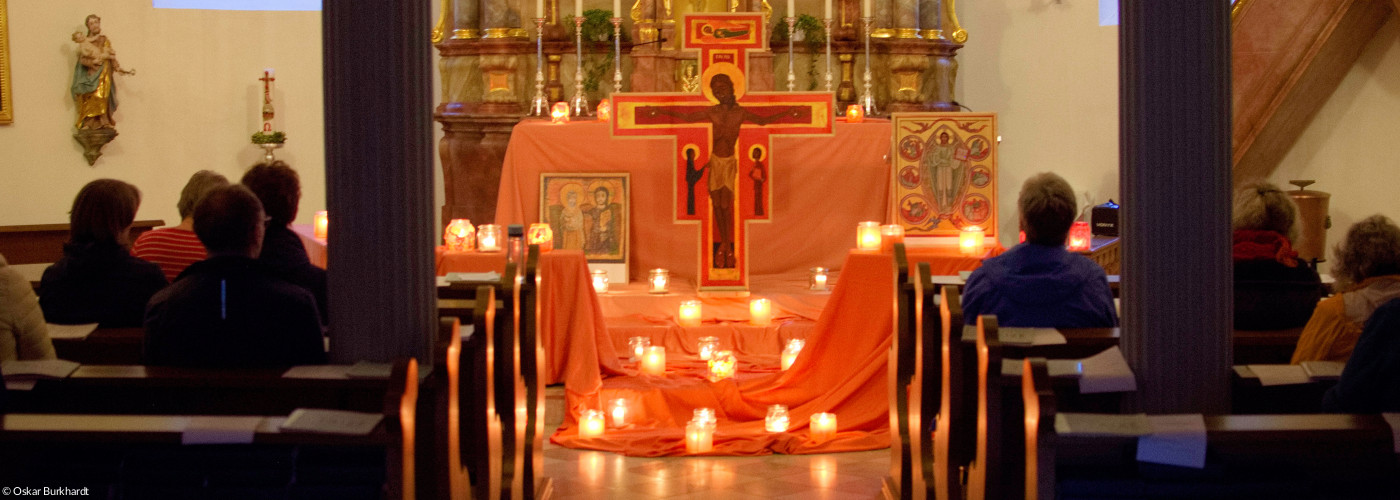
{"points": [[841, 370]]}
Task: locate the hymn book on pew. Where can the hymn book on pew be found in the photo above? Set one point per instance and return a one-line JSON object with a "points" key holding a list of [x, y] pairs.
{"points": [[76, 332], [332, 421], [37, 369]]}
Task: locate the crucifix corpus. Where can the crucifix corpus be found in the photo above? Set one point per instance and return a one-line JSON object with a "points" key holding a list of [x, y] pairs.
{"points": [[267, 112], [722, 136]]}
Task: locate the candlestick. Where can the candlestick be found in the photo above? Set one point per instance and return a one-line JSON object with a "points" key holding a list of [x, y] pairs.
{"points": [[578, 104], [689, 313], [617, 408], [590, 423], [826, 28], [817, 279], [865, 8], [792, 23], [617, 8], [826, 14], [539, 105], [823, 427], [760, 312], [867, 98], [791, 12], [617, 49], [578, 8], [654, 360], [868, 236], [777, 418]]}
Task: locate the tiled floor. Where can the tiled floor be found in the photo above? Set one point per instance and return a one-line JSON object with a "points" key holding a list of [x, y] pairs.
{"points": [[584, 474]]}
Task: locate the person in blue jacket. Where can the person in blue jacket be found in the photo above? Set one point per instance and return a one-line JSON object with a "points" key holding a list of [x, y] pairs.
{"points": [[1370, 382], [1039, 283]]}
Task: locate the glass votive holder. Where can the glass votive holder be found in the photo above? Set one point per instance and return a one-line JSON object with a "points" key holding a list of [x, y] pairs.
{"points": [[823, 427], [699, 437], [760, 312], [590, 423], [777, 419], [703, 415], [638, 347], [488, 238], [689, 314], [817, 279], [320, 224], [658, 281], [540, 234], [654, 360], [459, 235], [722, 365], [706, 347], [600, 281], [618, 410], [868, 236], [889, 235], [790, 352]]}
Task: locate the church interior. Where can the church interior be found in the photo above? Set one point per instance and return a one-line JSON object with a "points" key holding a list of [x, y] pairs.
{"points": [[402, 118]]}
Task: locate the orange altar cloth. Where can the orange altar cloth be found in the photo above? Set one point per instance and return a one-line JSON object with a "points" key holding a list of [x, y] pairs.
{"points": [[841, 370], [822, 187]]}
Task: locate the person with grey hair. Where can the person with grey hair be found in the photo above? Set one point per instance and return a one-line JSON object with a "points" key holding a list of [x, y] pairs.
{"points": [[1273, 290], [175, 248], [1039, 283], [1367, 268]]}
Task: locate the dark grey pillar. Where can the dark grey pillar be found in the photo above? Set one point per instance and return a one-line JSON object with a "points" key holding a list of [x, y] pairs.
{"points": [[379, 178], [1174, 122]]}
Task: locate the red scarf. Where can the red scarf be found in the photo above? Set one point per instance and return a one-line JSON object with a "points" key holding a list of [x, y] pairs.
{"points": [[1252, 244]]}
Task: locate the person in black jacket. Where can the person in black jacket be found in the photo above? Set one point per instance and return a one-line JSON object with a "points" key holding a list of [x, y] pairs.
{"points": [[1273, 289], [1370, 382], [97, 280], [229, 310], [279, 189]]}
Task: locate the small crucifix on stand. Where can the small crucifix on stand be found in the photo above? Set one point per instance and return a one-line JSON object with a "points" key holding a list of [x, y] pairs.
{"points": [[267, 112]]}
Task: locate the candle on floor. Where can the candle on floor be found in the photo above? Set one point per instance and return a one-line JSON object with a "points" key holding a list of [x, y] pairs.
{"points": [[618, 409], [488, 238], [889, 235], [706, 347], [823, 427], [639, 347], [658, 280], [970, 241], [689, 313], [540, 234], [590, 423], [760, 312], [722, 365], [459, 235], [600, 281], [777, 419], [699, 437], [321, 221], [817, 279], [654, 360], [868, 236], [790, 352]]}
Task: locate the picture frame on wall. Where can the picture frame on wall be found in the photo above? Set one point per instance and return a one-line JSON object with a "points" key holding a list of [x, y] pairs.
{"points": [[7, 111], [590, 213]]}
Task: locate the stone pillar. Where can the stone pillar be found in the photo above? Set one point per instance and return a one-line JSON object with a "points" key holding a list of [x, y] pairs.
{"points": [[473, 148], [1176, 211], [846, 90], [467, 19], [379, 179], [495, 18], [906, 18], [931, 19], [883, 10], [942, 76], [907, 62]]}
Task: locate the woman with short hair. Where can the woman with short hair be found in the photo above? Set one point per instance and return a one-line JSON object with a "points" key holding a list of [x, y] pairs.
{"points": [[1367, 270], [1273, 289]]}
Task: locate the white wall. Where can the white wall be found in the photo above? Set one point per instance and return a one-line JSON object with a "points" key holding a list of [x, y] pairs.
{"points": [[1350, 146], [193, 103]]}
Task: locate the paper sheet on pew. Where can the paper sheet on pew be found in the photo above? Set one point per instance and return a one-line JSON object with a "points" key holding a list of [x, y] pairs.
{"points": [[71, 331], [220, 430], [1031, 336], [1394, 420], [1175, 440], [1054, 367], [1101, 424], [325, 372], [38, 368], [331, 421], [367, 369], [1280, 374], [1324, 370], [474, 277], [1107, 371]]}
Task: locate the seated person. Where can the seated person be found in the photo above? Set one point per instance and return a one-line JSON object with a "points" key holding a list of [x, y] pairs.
{"points": [[1370, 382], [175, 248], [1273, 290], [98, 280], [1039, 283], [279, 189], [1367, 268], [23, 333], [227, 310]]}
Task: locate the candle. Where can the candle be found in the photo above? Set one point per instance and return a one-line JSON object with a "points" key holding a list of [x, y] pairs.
{"points": [[617, 8], [792, 12], [618, 409], [559, 113], [539, 8], [639, 346], [659, 279], [604, 110], [777, 419], [590, 423], [722, 365], [1079, 237], [817, 280], [578, 8], [868, 236], [706, 347], [865, 8], [600, 280], [970, 241], [889, 235], [699, 437], [689, 313], [540, 234], [790, 352], [703, 415], [488, 238], [823, 427], [760, 312], [855, 114], [459, 235], [826, 9], [321, 221], [654, 360]]}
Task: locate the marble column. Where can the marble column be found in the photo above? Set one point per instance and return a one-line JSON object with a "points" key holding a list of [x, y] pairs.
{"points": [[466, 19], [1175, 176], [931, 19], [379, 179], [905, 18]]}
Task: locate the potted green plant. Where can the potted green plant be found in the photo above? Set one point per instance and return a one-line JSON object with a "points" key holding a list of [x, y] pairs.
{"points": [[808, 31], [597, 35]]}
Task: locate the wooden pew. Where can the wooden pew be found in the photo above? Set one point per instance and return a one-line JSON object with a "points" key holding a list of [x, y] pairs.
{"points": [[1265, 346], [900, 483], [953, 438], [532, 360], [1248, 456], [43, 243], [141, 456], [1249, 396], [104, 346], [439, 419]]}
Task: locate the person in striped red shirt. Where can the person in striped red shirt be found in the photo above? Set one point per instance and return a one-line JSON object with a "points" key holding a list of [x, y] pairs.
{"points": [[175, 248]]}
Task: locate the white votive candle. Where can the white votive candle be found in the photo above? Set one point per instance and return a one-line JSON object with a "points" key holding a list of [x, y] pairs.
{"points": [[654, 360], [823, 427], [760, 312], [590, 423], [689, 314]]}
